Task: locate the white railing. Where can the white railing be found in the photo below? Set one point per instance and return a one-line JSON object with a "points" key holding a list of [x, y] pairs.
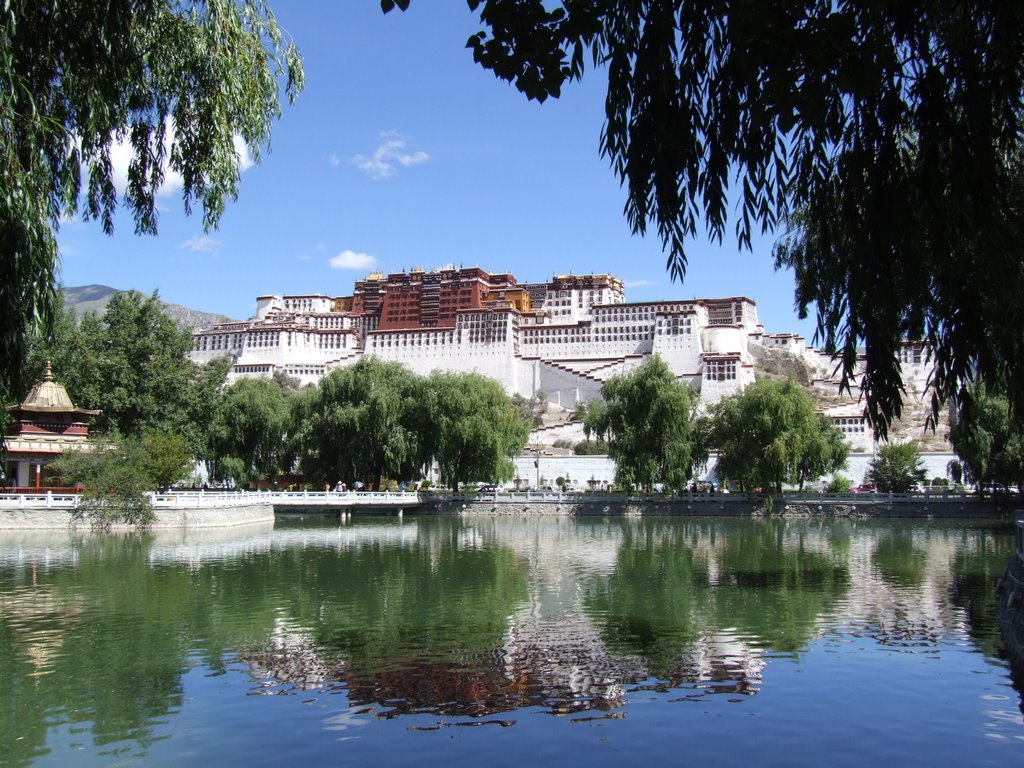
{"points": [[577, 497], [227, 499], [205, 500], [192, 499], [38, 500], [343, 498]]}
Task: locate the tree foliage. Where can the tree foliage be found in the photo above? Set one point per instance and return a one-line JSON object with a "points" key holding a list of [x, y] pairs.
{"points": [[590, 448], [360, 424], [648, 417], [118, 475], [989, 443], [769, 434], [250, 435], [142, 373], [897, 468], [838, 484], [886, 137], [178, 83], [131, 364], [470, 428], [166, 457]]}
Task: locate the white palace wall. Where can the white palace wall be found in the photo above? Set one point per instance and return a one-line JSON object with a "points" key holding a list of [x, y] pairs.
{"points": [[566, 349]]}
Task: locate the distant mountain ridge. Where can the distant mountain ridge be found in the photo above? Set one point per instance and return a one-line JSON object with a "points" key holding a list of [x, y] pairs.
{"points": [[94, 298]]}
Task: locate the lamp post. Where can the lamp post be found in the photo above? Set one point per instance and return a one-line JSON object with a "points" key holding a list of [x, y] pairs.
{"points": [[536, 461]]}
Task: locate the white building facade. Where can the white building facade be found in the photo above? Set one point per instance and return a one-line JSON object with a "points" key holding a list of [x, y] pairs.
{"points": [[582, 332]]}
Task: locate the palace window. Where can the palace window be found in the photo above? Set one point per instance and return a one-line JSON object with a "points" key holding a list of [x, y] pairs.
{"points": [[720, 370]]}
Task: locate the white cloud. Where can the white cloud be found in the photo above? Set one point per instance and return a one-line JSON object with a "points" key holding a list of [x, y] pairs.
{"points": [[201, 244], [121, 155], [352, 260], [638, 283], [391, 153], [245, 161], [334, 160]]}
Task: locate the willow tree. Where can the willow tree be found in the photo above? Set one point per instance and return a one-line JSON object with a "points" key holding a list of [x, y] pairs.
{"points": [[249, 437], [885, 137], [470, 428], [179, 83], [769, 434], [648, 420], [989, 443], [361, 423]]}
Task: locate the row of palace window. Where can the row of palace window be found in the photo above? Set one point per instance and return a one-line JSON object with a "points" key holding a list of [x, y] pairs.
{"points": [[207, 343], [265, 340], [414, 340], [315, 370], [720, 370], [306, 305], [911, 355], [496, 334], [604, 313], [330, 321], [850, 425], [676, 326]]}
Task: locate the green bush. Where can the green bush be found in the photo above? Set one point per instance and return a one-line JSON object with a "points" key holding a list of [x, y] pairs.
{"points": [[116, 483], [838, 484]]}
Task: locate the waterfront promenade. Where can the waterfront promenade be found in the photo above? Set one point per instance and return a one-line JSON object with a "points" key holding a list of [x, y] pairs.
{"points": [[202, 509], [188, 509]]}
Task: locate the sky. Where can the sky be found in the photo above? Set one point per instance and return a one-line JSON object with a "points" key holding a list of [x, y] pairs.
{"points": [[401, 152]]}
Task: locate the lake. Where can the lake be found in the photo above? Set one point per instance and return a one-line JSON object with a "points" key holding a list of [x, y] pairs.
{"points": [[509, 641]]}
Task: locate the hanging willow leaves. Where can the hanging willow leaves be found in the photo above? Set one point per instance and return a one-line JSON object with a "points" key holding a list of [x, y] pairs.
{"points": [[884, 138], [182, 84]]}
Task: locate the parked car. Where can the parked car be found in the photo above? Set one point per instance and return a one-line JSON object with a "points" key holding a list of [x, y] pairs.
{"points": [[865, 488]]}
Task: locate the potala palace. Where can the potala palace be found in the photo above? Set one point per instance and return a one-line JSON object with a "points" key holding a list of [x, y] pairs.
{"points": [[563, 338]]}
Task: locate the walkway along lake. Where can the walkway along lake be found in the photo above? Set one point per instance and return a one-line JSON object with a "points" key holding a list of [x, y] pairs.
{"points": [[223, 509], [433, 640]]}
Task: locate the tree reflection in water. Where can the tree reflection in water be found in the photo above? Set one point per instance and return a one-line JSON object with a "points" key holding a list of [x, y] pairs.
{"points": [[468, 618]]}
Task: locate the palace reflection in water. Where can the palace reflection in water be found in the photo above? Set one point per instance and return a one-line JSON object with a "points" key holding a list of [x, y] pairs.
{"points": [[467, 618]]}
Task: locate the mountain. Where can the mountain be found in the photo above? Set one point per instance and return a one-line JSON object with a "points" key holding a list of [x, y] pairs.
{"points": [[94, 298]]}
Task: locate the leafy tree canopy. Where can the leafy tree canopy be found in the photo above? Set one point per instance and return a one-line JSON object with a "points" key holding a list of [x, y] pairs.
{"points": [[990, 445], [886, 137], [118, 475], [178, 82], [131, 364], [471, 428], [897, 468], [648, 417], [361, 424], [769, 434], [249, 439]]}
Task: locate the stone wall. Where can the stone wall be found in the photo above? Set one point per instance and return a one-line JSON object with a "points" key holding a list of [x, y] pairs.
{"points": [[1010, 609], [50, 519], [723, 506]]}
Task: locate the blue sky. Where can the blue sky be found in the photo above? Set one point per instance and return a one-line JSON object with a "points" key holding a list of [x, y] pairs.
{"points": [[402, 152]]}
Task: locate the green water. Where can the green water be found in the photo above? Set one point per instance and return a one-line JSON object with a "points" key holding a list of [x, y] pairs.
{"points": [[455, 641]]}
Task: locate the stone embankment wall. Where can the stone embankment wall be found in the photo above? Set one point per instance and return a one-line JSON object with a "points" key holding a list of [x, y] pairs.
{"points": [[725, 507], [50, 519], [1010, 598], [1010, 609]]}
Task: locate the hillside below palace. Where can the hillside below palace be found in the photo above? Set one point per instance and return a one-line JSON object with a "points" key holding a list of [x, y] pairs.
{"points": [[563, 338]]}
